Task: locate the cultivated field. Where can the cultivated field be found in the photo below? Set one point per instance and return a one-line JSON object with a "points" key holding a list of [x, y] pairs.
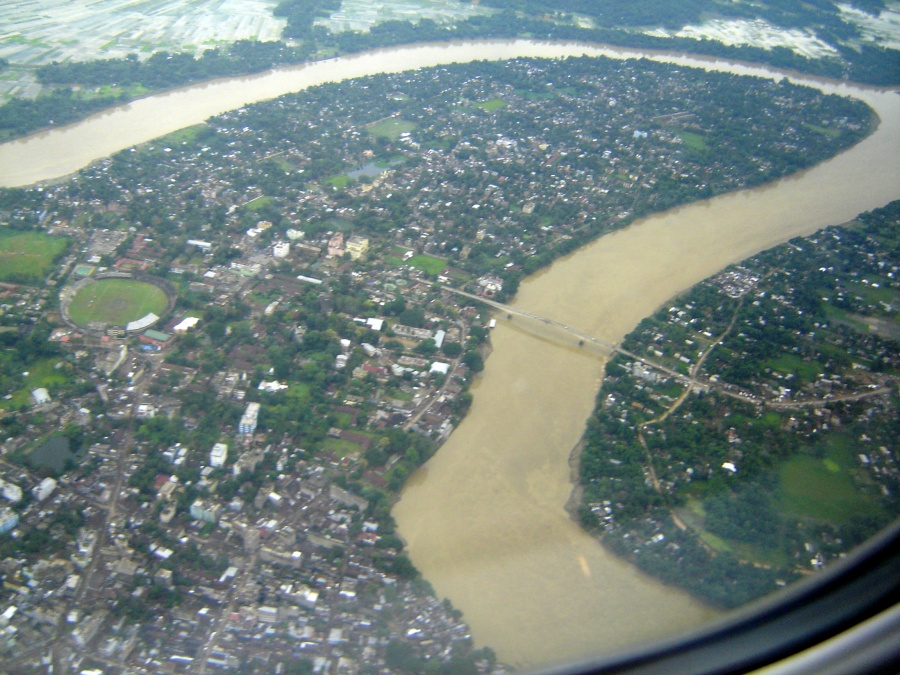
{"points": [[27, 256], [116, 301]]}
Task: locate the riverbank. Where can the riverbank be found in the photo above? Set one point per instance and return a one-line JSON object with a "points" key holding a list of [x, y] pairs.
{"points": [[59, 152], [604, 289], [752, 479]]}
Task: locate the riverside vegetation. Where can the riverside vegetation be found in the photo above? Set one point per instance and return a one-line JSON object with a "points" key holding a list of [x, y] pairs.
{"points": [[74, 90], [775, 452]]}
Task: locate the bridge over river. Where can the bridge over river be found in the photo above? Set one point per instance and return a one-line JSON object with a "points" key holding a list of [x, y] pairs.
{"points": [[582, 337]]}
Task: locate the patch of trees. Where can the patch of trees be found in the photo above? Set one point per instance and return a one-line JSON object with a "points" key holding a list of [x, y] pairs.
{"points": [[301, 14]]}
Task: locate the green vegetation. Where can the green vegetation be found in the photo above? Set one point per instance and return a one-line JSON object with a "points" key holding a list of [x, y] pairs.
{"points": [[116, 301], [340, 447], [804, 369], [491, 105], [182, 135], [796, 473], [26, 257], [391, 128], [339, 181], [258, 204], [427, 264], [693, 141], [821, 489], [834, 133], [50, 373]]}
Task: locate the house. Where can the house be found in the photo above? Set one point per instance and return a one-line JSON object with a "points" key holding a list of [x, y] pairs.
{"points": [[218, 455], [40, 396], [336, 245], [357, 247]]}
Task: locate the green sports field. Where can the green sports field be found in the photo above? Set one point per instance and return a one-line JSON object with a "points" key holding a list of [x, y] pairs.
{"points": [[28, 256], [116, 301]]}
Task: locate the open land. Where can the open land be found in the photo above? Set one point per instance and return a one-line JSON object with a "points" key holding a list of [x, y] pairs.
{"points": [[28, 256]]}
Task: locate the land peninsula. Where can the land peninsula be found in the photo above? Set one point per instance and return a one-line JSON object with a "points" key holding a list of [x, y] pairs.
{"points": [[748, 437]]}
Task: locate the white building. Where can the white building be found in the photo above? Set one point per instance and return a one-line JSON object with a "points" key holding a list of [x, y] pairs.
{"points": [[281, 249], [10, 492], [248, 420], [218, 455], [40, 396], [205, 511], [44, 489], [9, 519]]}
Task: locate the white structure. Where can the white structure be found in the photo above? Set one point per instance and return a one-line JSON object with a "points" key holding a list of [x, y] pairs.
{"points": [[272, 387], [218, 455], [10, 492], [440, 368], [9, 519], [375, 324], [142, 323], [40, 396], [281, 249], [186, 324], [248, 420], [44, 489]]}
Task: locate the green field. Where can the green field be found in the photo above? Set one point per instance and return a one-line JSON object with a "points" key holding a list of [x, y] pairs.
{"points": [[340, 447], [693, 141], [41, 373], [491, 105], [116, 301], [27, 256], [390, 128], [427, 264], [258, 203], [339, 181], [823, 489], [804, 370]]}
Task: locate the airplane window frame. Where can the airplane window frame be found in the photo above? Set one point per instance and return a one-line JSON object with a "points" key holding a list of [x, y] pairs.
{"points": [[845, 619]]}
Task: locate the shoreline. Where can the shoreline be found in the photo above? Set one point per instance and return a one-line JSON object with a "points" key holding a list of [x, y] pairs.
{"points": [[99, 128]]}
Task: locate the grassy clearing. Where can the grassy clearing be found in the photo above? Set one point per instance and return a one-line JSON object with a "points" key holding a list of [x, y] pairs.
{"points": [[340, 447], [806, 371], [874, 295], [491, 105], [822, 489], [41, 373], [693, 141], [339, 181], [427, 264], [182, 135], [390, 128], [28, 256], [343, 419], [116, 301], [258, 203]]}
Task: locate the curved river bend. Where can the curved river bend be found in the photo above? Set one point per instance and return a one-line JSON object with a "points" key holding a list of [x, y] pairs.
{"points": [[484, 518]]}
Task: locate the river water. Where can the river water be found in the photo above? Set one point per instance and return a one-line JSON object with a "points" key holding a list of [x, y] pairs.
{"points": [[484, 518]]}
